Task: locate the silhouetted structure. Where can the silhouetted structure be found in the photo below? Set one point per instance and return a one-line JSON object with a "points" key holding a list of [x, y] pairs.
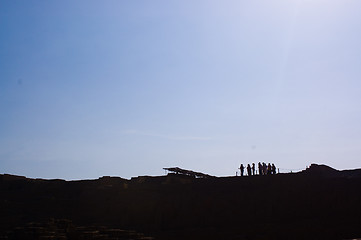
{"points": [[178, 170]]}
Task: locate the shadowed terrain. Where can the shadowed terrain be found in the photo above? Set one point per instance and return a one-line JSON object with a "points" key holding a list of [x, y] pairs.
{"points": [[318, 203]]}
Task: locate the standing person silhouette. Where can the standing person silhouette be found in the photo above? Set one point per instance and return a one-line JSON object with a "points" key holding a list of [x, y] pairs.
{"points": [[273, 168], [242, 169], [253, 169], [264, 166], [260, 171], [249, 170]]}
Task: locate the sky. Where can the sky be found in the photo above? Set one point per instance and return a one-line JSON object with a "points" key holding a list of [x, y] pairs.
{"points": [[126, 88]]}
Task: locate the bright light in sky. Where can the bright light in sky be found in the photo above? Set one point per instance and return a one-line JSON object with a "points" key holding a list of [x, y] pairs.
{"points": [[90, 88]]}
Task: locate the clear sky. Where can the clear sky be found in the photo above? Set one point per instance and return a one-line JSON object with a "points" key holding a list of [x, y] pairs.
{"points": [[125, 88]]}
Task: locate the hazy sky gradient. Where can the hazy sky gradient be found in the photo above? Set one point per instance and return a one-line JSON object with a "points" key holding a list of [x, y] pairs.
{"points": [[93, 88]]}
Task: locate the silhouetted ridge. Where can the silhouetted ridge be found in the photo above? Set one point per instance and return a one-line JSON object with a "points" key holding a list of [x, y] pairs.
{"points": [[318, 203], [326, 171], [321, 170]]}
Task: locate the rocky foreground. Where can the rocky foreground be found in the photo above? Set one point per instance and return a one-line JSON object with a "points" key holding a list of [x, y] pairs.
{"points": [[62, 229], [318, 203]]}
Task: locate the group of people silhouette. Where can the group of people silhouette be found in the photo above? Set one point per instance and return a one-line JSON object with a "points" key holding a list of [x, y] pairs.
{"points": [[263, 169]]}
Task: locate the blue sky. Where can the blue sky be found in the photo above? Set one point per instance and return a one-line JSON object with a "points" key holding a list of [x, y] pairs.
{"points": [[125, 88]]}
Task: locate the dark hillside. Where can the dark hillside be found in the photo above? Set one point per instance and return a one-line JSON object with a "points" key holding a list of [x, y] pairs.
{"points": [[319, 203]]}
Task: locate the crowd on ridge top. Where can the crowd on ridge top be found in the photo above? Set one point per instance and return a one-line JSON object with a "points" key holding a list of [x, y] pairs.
{"points": [[263, 169]]}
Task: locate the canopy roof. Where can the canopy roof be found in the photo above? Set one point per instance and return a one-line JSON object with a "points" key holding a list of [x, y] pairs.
{"points": [[178, 170]]}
